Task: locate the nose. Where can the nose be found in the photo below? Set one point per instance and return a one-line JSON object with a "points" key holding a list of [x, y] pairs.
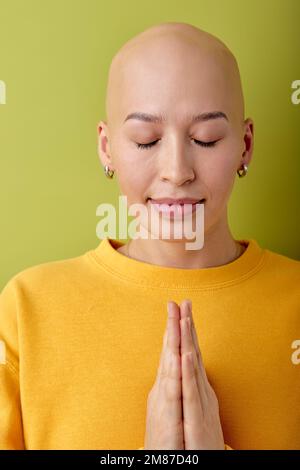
{"points": [[176, 164]]}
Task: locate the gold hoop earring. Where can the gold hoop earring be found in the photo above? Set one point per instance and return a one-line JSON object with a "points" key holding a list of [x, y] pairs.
{"points": [[242, 172], [109, 173]]}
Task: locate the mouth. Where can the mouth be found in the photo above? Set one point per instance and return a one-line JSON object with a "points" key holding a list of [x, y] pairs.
{"points": [[176, 202], [175, 208]]}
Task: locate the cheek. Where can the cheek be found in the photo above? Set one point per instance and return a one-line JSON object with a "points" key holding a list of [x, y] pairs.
{"points": [[133, 175], [219, 173]]}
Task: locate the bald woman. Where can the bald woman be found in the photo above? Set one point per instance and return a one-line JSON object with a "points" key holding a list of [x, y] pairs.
{"points": [[185, 85], [148, 343]]}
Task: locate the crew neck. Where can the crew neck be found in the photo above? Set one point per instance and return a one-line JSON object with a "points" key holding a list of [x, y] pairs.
{"points": [[147, 274]]}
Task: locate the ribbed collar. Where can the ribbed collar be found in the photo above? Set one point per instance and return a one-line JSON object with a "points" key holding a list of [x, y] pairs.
{"points": [[146, 274]]}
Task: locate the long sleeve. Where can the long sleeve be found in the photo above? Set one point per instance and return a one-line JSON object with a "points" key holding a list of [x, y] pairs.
{"points": [[11, 429], [71, 336]]}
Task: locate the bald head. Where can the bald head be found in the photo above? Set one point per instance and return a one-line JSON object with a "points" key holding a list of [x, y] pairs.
{"points": [[176, 69]]}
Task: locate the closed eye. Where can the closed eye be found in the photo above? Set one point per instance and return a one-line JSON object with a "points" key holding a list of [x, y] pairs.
{"points": [[198, 142], [145, 146], [205, 144]]}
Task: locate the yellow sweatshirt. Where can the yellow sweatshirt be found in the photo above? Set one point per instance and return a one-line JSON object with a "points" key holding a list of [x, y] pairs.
{"points": [[80, 342]]}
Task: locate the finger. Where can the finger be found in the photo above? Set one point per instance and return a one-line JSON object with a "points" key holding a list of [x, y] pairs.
{"points": [[198, 350], [169, 384], [187, 348], [171, 340], [173, 337], [188, 344], [192, 408], [169, 313]]}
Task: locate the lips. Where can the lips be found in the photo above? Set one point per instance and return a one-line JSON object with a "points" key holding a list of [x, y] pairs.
{"points": [[171, 201], [176, 208]]}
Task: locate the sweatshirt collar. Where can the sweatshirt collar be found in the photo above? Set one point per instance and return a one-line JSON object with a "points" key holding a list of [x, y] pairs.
{"points": [[146, 274]]}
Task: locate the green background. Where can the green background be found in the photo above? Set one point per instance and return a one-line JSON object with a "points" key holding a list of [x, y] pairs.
{"points": [[54, 59]]}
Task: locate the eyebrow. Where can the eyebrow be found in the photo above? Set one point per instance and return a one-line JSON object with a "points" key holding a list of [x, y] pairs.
{"points": [[159, 118]]}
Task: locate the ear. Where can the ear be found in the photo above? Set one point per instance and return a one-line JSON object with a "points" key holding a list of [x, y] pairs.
{"points": [[248, 141], [104, 144]]}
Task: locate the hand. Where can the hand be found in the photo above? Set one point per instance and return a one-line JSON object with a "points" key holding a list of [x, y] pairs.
{"points": [[164, 426], [201, 420], [182, 407]]}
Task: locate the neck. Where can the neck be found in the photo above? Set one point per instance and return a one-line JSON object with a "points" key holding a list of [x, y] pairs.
{"points": [[219, 248]]}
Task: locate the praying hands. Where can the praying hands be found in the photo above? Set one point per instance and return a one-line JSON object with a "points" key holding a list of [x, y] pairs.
{"points": [[182, 407]]}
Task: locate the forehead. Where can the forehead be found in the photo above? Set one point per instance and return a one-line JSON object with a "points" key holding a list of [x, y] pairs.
{"points": [[174, 78], [185, 87]]}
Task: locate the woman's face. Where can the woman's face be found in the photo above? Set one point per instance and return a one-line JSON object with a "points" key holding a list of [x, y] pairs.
{"points": [[177, 129]]}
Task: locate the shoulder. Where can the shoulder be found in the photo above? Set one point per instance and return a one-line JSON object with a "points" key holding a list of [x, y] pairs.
{"points": [[282, 264], [282, 272], [46, 275]]}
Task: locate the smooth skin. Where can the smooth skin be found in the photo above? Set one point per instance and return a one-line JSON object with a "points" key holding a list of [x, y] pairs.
{"points": [[182, 407]]}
